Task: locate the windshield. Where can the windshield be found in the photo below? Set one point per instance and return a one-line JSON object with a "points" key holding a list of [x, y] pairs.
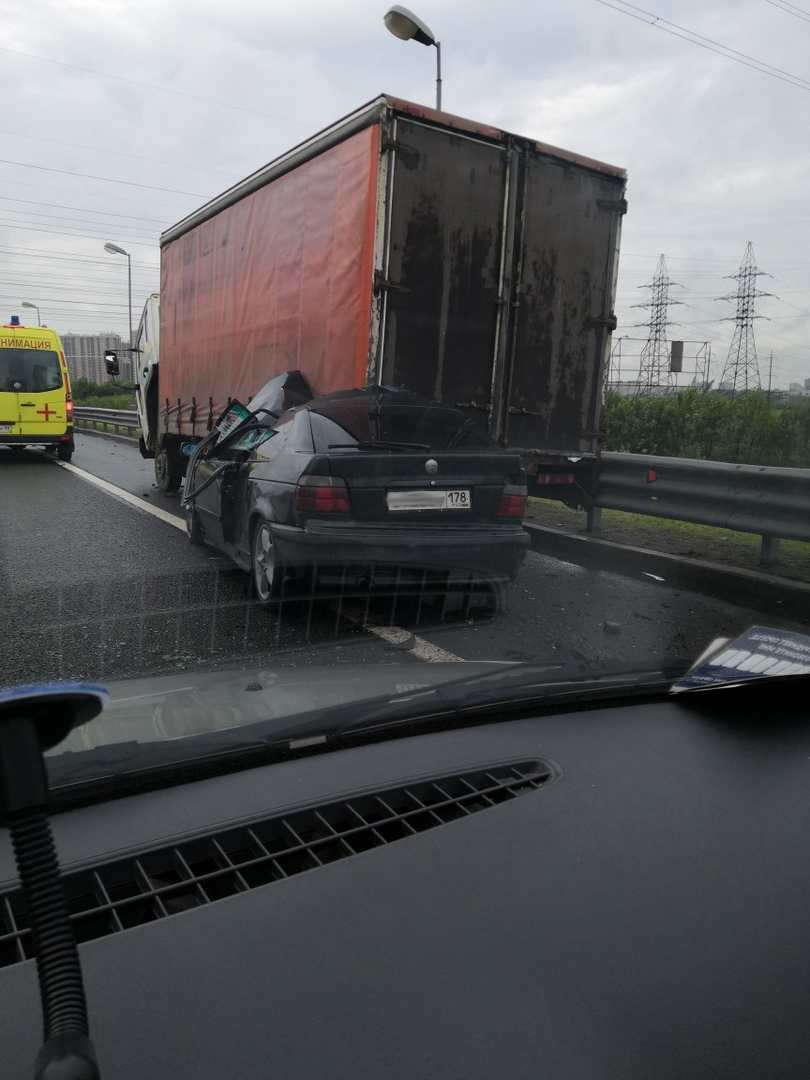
{"points": [[26, 369], [432, 408]]}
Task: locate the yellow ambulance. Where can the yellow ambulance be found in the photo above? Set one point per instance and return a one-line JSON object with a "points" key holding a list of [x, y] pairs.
{"points": [[36, 406]]}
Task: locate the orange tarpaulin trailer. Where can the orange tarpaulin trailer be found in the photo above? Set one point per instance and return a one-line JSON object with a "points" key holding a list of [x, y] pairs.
{"points": [[408, 247], [280, 280]]}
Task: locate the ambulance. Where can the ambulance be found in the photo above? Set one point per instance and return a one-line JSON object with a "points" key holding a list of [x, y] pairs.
{"points": [[36, 406]]}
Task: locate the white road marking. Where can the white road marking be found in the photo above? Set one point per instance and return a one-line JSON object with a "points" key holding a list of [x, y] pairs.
{"points": [[133, 500], [424, 650]]}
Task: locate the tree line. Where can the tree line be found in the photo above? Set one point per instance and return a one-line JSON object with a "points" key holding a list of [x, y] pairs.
{"points": [[745, 429], [107, 395]]}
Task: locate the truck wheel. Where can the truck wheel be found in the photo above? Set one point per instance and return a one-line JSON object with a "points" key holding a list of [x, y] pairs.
{"points": [[193, 530], [267, 571], [64, 451], [166, 479]]}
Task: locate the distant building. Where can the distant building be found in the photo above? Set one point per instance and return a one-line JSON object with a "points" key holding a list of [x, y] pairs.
{"points": [[85, 355], [795, 388]]}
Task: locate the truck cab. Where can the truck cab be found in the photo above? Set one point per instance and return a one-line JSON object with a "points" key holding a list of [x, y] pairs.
{"points": [[145, 360]]}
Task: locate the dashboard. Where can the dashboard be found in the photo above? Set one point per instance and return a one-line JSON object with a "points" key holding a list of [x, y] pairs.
{"points": [[605, 892]]}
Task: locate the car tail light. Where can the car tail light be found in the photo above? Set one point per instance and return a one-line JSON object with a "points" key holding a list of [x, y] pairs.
{"points": [[322, 495], [513, 502], [69, 404]]}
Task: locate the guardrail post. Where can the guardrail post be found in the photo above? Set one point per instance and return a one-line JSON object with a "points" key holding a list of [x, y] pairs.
{"points": [[594, 519], [769, 552]]}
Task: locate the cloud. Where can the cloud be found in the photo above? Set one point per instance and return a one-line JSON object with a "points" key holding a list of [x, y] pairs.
{"points": [[713, 148]]}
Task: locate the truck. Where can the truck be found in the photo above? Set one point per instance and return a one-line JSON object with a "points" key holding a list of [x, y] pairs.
{"points": [[400, 246]]}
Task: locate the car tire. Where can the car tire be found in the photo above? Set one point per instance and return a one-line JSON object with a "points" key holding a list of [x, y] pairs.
{"points": [[266, 569], [165, 479], [194, 531], [64, 453]]}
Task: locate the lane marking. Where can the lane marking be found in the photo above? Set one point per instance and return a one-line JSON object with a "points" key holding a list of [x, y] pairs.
{"points": [[421, 648], [133, 500]]}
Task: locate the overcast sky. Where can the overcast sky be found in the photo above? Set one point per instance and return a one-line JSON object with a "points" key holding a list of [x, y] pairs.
{"points": [[121, 118]]}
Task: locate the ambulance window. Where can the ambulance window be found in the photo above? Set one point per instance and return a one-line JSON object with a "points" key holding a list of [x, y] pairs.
{"points": [[37, 372], [45, 373]]}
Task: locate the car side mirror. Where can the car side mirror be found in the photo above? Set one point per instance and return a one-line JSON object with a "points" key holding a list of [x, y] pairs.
{"points": [[111, 363]]}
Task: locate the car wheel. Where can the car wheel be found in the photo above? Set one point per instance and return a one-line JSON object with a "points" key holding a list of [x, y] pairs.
{"points": [[193, 529], [266, 569], [64, 453], [165, 479]]}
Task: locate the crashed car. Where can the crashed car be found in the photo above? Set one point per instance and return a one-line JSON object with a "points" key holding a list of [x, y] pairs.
{"points": [[365, 482]]}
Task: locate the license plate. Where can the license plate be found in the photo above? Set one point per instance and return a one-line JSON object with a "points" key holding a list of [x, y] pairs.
{"points": [[458, 499], [6, 429]]}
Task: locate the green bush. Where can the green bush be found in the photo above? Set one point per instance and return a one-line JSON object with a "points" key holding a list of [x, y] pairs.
{"points": [[121, 401], [698, 423], [97, 395]]}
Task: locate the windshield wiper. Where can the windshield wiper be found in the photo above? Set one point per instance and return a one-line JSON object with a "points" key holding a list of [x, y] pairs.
{"points": [[508, 688]]}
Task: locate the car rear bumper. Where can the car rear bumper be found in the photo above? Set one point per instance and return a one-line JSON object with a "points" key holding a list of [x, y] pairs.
{"points": [[36, 440], [494, 551]]}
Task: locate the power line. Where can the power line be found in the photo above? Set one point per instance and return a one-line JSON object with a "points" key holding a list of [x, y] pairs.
{"points": [[105, 179], [63, 220], [791, 9], [706, 43], [80, 236], [129, 199], [81, 210], [152, 86], [61, 256], [115, 153]]}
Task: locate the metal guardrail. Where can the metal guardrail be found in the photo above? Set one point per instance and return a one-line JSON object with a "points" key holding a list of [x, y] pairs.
{"points": [[771, 503], [117, 420], [768, 502]]}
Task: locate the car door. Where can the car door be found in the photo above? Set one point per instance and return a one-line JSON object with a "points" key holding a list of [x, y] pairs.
{"points": [[220, 479]]}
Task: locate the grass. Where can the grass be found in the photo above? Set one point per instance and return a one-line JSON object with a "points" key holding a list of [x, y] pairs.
{"points": [[675, 537]]}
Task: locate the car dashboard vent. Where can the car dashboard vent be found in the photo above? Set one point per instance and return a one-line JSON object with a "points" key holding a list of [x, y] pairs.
{"points": [[168, 880]]}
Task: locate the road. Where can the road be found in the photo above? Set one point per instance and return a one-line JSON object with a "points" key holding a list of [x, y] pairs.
{"points": [[97, 587]]}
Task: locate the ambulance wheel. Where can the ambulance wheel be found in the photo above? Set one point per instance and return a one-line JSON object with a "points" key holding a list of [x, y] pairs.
{"points": [[65, 451]]}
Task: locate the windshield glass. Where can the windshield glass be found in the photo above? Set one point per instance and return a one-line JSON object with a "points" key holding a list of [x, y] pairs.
{"points": [[32, 370], [429, 408]]}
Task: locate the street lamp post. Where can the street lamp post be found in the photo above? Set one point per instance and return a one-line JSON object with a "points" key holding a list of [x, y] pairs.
{"points": [[36, 309], [114, 249], [406, 26]]}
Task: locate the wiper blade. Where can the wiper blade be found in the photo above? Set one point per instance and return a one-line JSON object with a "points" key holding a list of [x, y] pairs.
{"points": [[508, 688], [512, 683]]}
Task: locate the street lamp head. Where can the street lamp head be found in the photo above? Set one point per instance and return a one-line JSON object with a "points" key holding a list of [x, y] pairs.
{"points": [[114, 249], [406, 26], [25, 303]]}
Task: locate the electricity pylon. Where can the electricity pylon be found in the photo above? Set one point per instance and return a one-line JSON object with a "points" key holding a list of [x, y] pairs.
{"points": [[654, 375], [741, 371]]}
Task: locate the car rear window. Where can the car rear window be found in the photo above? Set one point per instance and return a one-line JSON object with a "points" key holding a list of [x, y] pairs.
{"points": [[35, 371], [366, 423]]}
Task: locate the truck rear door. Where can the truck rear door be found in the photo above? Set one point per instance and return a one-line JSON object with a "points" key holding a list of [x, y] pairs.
{"points": [[497, 281], [441, 277]]}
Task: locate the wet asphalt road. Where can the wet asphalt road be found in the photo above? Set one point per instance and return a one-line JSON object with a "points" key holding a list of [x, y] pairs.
{"points": [[94, 588]]}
